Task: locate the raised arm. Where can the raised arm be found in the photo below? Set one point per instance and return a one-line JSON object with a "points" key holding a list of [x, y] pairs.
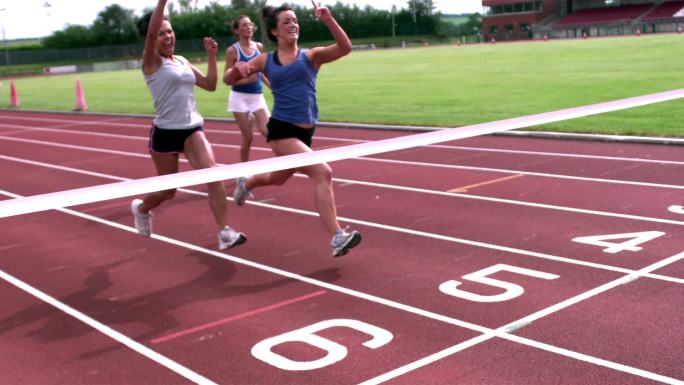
{"points": [[343, 46], [209, 81], [151, 59]]}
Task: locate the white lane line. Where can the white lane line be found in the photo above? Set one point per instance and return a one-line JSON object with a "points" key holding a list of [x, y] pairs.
{"points": [[214, 174], [382, 160], [504, 333], [526, 173], [109, 332], [383, 227], [345, 140], [280, 272], [409, 189], [487, 333]]}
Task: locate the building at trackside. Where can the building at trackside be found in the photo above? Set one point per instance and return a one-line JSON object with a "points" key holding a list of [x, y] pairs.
{"points": [[508, 20]]}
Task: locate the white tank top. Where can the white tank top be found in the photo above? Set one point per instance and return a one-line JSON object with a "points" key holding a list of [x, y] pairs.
{"points": [[172, 89]]}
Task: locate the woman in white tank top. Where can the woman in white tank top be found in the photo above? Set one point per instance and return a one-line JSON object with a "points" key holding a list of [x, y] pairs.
{"points": [[177, 125]]}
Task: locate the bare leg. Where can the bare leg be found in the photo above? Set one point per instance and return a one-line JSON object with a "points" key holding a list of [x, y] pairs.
{"points": [[261, 120], [200, 155], [321, 174], [242, 119], [165, 164]]}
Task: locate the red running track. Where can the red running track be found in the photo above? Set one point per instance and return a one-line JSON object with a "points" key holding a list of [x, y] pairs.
{"points": [[523, 224]]}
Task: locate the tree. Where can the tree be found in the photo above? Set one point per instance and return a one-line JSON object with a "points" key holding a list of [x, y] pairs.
{"points": [[73, 36], [114, 25]]}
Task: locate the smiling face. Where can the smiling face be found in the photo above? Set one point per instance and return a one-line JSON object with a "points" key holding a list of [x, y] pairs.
{"points": [[166, 39], [288, 28]]}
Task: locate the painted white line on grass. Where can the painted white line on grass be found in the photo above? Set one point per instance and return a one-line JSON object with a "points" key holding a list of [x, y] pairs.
{"points": [[381, 226]]}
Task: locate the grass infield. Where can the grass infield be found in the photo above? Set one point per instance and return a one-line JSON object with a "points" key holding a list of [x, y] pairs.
{"points": [[446, 86]]}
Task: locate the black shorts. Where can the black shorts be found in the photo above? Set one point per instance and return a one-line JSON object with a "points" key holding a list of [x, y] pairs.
{"points": [[169, 141], [278, 129]]}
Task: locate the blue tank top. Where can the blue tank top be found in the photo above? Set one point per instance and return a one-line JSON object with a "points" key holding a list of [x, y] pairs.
{"points": [[294, 90], [251, 88]]}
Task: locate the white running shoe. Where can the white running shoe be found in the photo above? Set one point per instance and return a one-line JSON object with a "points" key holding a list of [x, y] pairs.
{"points": [[142, 221], [228, 238], [241, 193], [343, 241]]}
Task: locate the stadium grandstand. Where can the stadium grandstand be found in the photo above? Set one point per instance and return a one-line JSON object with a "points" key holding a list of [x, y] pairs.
{"points": [[506, 20]]}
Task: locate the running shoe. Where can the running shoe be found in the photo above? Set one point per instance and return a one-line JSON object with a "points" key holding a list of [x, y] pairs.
{"points": [[343, 241], [228, 238], [241, 193], [142, 221]]}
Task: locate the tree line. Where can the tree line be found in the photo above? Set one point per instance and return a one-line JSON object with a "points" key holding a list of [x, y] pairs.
{"points": [[116, 25]]}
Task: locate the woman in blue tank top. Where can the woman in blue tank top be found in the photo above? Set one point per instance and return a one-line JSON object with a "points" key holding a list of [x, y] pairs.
{"points": [[246, 100], [292, 72]]}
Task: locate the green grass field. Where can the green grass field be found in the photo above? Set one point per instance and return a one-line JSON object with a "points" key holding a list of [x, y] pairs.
{"points": [[444, 86]]}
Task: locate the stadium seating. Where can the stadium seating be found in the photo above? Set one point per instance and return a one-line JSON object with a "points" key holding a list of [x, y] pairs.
{"points": [[609, 15], [666, 10]]}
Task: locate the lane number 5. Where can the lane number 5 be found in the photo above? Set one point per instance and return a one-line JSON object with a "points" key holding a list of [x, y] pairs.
{"points": [[511, 290]]}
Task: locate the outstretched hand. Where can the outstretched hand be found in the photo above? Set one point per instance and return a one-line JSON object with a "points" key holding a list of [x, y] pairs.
{"points": [[210, 45], [321, 13]]}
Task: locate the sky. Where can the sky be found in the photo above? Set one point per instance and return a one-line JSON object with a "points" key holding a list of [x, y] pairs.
{"points": [[32, 18]]}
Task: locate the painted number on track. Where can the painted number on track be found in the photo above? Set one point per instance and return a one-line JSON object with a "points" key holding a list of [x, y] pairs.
{"points": [[633, 240], [335, 352], [511, 290]]}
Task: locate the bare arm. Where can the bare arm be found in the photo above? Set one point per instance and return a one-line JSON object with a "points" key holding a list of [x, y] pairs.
{"points": [[231, 59], [343, 46], [151, 59], [263, 77], [209, 81], [242, 70]]}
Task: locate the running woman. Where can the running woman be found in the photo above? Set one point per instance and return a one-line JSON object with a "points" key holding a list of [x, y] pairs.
{"points": [[177, 126], [246, 100], [292, 72]]}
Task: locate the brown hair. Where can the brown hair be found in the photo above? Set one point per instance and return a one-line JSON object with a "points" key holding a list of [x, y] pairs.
{"points": [[144, 23], [236, 24], [270, 15]]}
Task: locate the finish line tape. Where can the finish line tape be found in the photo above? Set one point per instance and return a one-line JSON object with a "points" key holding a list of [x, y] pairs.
{"points": [[37, 203]]}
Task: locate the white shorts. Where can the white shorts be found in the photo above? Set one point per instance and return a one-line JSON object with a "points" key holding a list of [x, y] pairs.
{"points": [[244, 102]]}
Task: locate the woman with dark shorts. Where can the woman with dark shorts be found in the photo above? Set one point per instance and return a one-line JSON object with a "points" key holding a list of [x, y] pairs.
{"points": [[292, 73], [177, 124]]}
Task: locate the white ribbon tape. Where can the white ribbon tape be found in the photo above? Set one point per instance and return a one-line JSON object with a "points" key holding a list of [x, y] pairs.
{"points": [[104, 192]]}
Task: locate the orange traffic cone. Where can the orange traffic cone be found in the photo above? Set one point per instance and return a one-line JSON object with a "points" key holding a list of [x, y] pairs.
{"points": [[80, 98], [14, 98]]}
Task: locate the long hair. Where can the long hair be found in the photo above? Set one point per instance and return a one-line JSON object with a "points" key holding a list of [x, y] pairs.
{"points": [[270, 15], [144, 23]]}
